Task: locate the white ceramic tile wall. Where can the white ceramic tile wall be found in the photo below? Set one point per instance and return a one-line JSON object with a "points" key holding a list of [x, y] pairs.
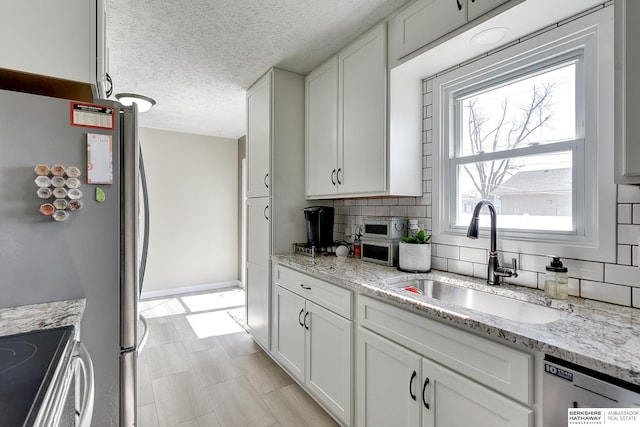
{"points": [[617, 283]]}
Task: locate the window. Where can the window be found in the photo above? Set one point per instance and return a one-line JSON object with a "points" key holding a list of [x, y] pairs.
{"points": [[514, 142], [529, 128]]}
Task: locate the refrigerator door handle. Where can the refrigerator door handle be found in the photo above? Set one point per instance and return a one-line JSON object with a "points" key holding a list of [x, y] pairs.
{"points": [[129, 181]]}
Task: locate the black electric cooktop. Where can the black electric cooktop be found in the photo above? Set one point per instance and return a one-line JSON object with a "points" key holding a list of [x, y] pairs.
{"points": [[27, 366]]}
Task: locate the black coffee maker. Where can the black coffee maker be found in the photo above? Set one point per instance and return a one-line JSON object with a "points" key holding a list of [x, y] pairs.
{"points": [[319, 225]]}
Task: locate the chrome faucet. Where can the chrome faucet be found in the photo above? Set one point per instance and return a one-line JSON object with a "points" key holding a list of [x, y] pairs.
{"points": [[495, 272]]}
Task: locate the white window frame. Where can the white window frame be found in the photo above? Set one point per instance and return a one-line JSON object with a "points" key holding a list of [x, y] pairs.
{"points": [[592, 37]]}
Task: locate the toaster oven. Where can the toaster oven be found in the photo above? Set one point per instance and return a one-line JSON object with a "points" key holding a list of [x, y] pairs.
{"points": [[386, 228], [383, 252]]}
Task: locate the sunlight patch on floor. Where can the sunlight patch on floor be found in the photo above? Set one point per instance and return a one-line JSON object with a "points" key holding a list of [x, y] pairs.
{"points": [[214, 301], [213, 324]]}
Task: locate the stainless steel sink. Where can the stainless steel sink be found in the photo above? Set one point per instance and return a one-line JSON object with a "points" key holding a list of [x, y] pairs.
{"points": [[496, 305]]}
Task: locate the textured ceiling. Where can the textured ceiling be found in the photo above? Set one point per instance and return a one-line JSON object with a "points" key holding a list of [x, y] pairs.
{"points": [[196, 58]]}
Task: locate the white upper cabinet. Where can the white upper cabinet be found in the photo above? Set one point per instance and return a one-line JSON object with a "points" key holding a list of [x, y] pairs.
{"points": [[428, 20], [348, 149], [259, 137], [51, 38], [476, 8], [362, 91], [423, 22], [321, 115], [627, 69]]}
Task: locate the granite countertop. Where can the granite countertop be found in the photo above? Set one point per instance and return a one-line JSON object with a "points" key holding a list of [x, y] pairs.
{"points": [[26, 318], [600, 336]]}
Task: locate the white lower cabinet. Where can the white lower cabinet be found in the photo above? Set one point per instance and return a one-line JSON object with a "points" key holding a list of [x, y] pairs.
{"points": [[257, 302], [413, 371], [388, 383], [314, 344]]}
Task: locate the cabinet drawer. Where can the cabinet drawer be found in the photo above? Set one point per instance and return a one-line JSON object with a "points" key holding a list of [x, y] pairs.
{"points": [[498, 366], [329, 296]]}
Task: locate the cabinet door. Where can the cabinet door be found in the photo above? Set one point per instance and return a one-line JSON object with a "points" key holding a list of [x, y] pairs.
{"points": [[289, 316], [424, 22], [476, 8], [389, 383], [257, 296], [258, 224], [362, 88], [627, 88], [259, 137], [321, 116], [456, 401], [52, 38], [328, 367]]}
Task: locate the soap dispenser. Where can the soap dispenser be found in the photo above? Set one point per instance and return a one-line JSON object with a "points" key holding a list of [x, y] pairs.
{"points": [[556, 282]]}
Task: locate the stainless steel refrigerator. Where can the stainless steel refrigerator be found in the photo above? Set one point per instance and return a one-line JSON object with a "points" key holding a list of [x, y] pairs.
{"points": [[93, 254]]}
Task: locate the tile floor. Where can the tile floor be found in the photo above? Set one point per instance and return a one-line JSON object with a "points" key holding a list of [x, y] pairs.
{"points": [[201, 369]]}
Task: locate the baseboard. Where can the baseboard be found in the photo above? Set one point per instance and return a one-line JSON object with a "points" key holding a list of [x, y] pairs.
{"points": [[189, 289]]}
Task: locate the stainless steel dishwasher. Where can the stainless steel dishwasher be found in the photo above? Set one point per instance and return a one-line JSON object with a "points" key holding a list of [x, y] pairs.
{"points": [[566, 385]]}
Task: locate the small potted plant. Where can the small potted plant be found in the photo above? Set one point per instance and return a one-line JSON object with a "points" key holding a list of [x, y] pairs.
{"points": [[415, 253]]}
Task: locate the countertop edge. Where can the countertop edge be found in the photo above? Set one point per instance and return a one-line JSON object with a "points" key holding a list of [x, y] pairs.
{"points": [[26, 318]]}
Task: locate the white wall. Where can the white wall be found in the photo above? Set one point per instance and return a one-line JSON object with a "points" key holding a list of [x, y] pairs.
{"points": [[193, 193]]}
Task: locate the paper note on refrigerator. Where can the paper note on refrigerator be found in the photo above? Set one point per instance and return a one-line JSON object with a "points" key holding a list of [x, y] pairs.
{"points": [[99, 159]]}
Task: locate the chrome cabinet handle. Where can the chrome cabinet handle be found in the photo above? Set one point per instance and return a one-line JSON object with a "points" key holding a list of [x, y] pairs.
{"points": [[426, 383], [333, 174], [306, 288], [338, 176], [265, 180], [300, 317], [306, 315], [413, 377], [266, 208], [459, 4]]}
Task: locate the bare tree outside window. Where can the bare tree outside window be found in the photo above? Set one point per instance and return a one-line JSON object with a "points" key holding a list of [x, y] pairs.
{"points": [[514, 127], [530, 188]]}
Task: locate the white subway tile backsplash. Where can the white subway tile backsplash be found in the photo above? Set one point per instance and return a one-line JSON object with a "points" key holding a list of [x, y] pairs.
{"points": [[375, 202], [355, 210], [474, 255], [362, 202], [438, 263], [636, 214], [447, 251], [480, 271], [460, 267], [584, 269], [382, 210], [634, 255], [525, 278], [628, 234], [427, 149], [622, 274], [574, 287], [628, 194], [390, 201], [416, 211], [533, 262], [635, 297], [398, 211], [624, 255], [614, 294], [428, 86], [368, 211], [624, 213], [349, 202]]}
